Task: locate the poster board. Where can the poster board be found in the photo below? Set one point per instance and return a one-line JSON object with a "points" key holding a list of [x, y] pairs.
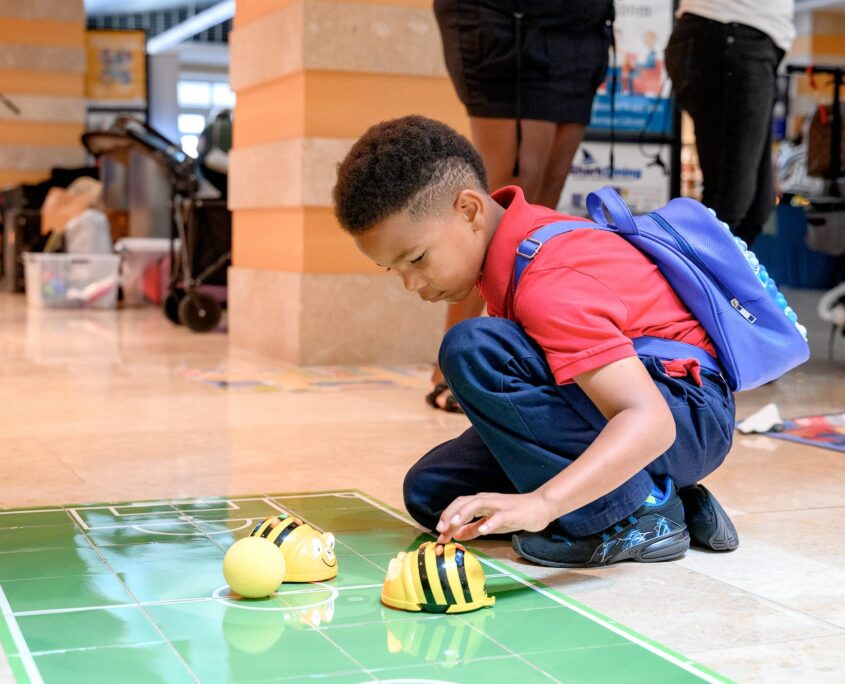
{"points": [[643, 184], [642, 104], [116, 73], [645, 153]]}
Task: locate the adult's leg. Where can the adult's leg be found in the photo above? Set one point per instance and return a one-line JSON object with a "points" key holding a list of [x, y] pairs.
{"points": [[567, 138], [724, 77], [495, 140], [763, 202], [751, 83]]}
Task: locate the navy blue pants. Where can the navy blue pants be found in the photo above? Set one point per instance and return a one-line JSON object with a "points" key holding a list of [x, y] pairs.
{"points": [[526, 429]]}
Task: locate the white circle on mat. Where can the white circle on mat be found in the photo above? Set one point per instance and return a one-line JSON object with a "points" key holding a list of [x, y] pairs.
{"points": [[222, 594]]}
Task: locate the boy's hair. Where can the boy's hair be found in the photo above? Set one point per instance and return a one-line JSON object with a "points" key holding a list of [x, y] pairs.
{"points": [[412, 163]]}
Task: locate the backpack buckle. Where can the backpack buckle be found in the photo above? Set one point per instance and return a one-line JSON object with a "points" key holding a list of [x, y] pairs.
{"points": [[534, 253]]}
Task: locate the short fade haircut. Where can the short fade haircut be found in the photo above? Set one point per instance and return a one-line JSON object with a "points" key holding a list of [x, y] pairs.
{"points": [[412, 163]]}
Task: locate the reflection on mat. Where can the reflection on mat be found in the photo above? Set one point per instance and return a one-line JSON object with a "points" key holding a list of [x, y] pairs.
{"points": [[313, 378], [827, 431]]}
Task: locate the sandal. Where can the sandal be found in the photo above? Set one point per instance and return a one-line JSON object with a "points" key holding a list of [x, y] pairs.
{"points": [[452, 405]]}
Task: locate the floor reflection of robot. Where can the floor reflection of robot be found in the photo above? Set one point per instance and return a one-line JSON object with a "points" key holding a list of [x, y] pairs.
{"points": [[255, 630], [446, 641]]}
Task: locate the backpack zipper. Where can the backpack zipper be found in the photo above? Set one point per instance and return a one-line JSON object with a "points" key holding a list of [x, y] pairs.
{"points": [[690, 253]]}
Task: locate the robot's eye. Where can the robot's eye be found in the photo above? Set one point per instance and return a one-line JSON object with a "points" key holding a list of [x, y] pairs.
{"points": [[329, 553], [317, 546]]}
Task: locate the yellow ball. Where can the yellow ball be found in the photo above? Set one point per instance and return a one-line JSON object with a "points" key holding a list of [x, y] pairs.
{"points": [[254, 567]]}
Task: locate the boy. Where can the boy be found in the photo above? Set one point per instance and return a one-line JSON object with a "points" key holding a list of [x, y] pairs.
{"points": [[577, 444]]}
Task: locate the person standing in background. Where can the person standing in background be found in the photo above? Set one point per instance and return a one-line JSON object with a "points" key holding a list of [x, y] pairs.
{"points": [[722, 58], [526, 71], [213, 147]]}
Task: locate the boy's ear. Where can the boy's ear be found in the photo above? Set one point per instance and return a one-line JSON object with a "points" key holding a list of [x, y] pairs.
{"points": [[470, 204]]}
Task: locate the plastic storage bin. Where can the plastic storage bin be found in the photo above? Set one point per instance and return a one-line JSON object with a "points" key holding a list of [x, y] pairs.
{"points": [[141, 258], [71, 280]]}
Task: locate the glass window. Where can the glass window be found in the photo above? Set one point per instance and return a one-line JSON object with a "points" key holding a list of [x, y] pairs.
{"points": [[191, 123], [194, 94], [189, 144], [222, 95]]}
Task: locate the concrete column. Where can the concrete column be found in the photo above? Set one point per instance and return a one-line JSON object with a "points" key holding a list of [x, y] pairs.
{"points": [[42, 71], [310, 77]]}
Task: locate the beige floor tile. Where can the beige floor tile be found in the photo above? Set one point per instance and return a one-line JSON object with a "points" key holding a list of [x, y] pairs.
{"points": [[817, 660], [678, 606], [765, 474], [792, 558], [5, 669], [30, 472]]}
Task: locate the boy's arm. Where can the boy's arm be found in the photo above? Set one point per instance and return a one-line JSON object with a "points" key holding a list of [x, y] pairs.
{"points": [[640, 428]]}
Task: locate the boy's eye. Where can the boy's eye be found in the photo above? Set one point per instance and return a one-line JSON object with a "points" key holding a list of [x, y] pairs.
{"points": [[419, 258]]}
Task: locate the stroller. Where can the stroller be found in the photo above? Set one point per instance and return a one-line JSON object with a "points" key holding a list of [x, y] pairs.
{"points": [[200, 230]]}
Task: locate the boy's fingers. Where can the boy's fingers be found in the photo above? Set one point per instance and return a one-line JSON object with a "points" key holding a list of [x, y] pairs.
{"points": [[449, 512], [498, 522], [476, 506], [470, 531], [462, 511]]}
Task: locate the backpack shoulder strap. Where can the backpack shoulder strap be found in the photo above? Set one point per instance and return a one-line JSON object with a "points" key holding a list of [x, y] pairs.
{"points": [[529, 247], [645, 346]]}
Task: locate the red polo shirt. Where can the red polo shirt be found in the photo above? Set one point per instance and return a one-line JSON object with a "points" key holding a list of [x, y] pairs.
{"points": [[585, 294]]}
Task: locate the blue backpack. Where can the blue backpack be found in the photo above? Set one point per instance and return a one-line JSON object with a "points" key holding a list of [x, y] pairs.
{"points": [[756, 334]]}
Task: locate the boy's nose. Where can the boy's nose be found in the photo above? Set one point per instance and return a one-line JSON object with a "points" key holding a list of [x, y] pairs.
{"points": [[413, 282]]}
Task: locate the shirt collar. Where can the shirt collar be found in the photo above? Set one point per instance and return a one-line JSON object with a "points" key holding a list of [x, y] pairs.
{"points": [[518, 221]]}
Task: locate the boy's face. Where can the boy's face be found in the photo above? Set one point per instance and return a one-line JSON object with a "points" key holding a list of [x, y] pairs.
{"points": [[438, 257]]}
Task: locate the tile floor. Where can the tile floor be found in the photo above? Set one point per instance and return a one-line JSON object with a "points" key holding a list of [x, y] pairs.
{"points": [[96, 407]]}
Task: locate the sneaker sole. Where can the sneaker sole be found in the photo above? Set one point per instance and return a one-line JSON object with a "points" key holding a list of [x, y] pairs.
{"points": [[666, 548], [725, 537]]}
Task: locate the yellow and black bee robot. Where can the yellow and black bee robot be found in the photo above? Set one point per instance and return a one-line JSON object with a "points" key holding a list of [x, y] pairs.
{"points": [[449, 581], [309, 554]]}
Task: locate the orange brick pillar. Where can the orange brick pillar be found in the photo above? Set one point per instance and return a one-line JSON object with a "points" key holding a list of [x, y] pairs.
{"points": [[42, 71], [310, 77]]}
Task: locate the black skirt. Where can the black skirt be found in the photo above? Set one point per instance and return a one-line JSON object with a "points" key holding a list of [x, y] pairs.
{"points": [[529, 59]]}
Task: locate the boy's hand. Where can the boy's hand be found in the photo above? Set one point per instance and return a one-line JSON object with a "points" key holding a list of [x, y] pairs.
{"points": [[497, 513]]}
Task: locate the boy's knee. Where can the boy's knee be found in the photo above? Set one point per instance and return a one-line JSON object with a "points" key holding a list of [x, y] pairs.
{"points": [[471, 340], [416, 494]]}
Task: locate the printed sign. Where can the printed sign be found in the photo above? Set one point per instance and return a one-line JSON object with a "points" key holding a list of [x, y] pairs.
{"points": [[638, 177], [642, 103], [117, 72]]}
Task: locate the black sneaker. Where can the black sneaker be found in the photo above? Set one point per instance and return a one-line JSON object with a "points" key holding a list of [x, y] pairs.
{"points": [[709, 525], [650, 534]]}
